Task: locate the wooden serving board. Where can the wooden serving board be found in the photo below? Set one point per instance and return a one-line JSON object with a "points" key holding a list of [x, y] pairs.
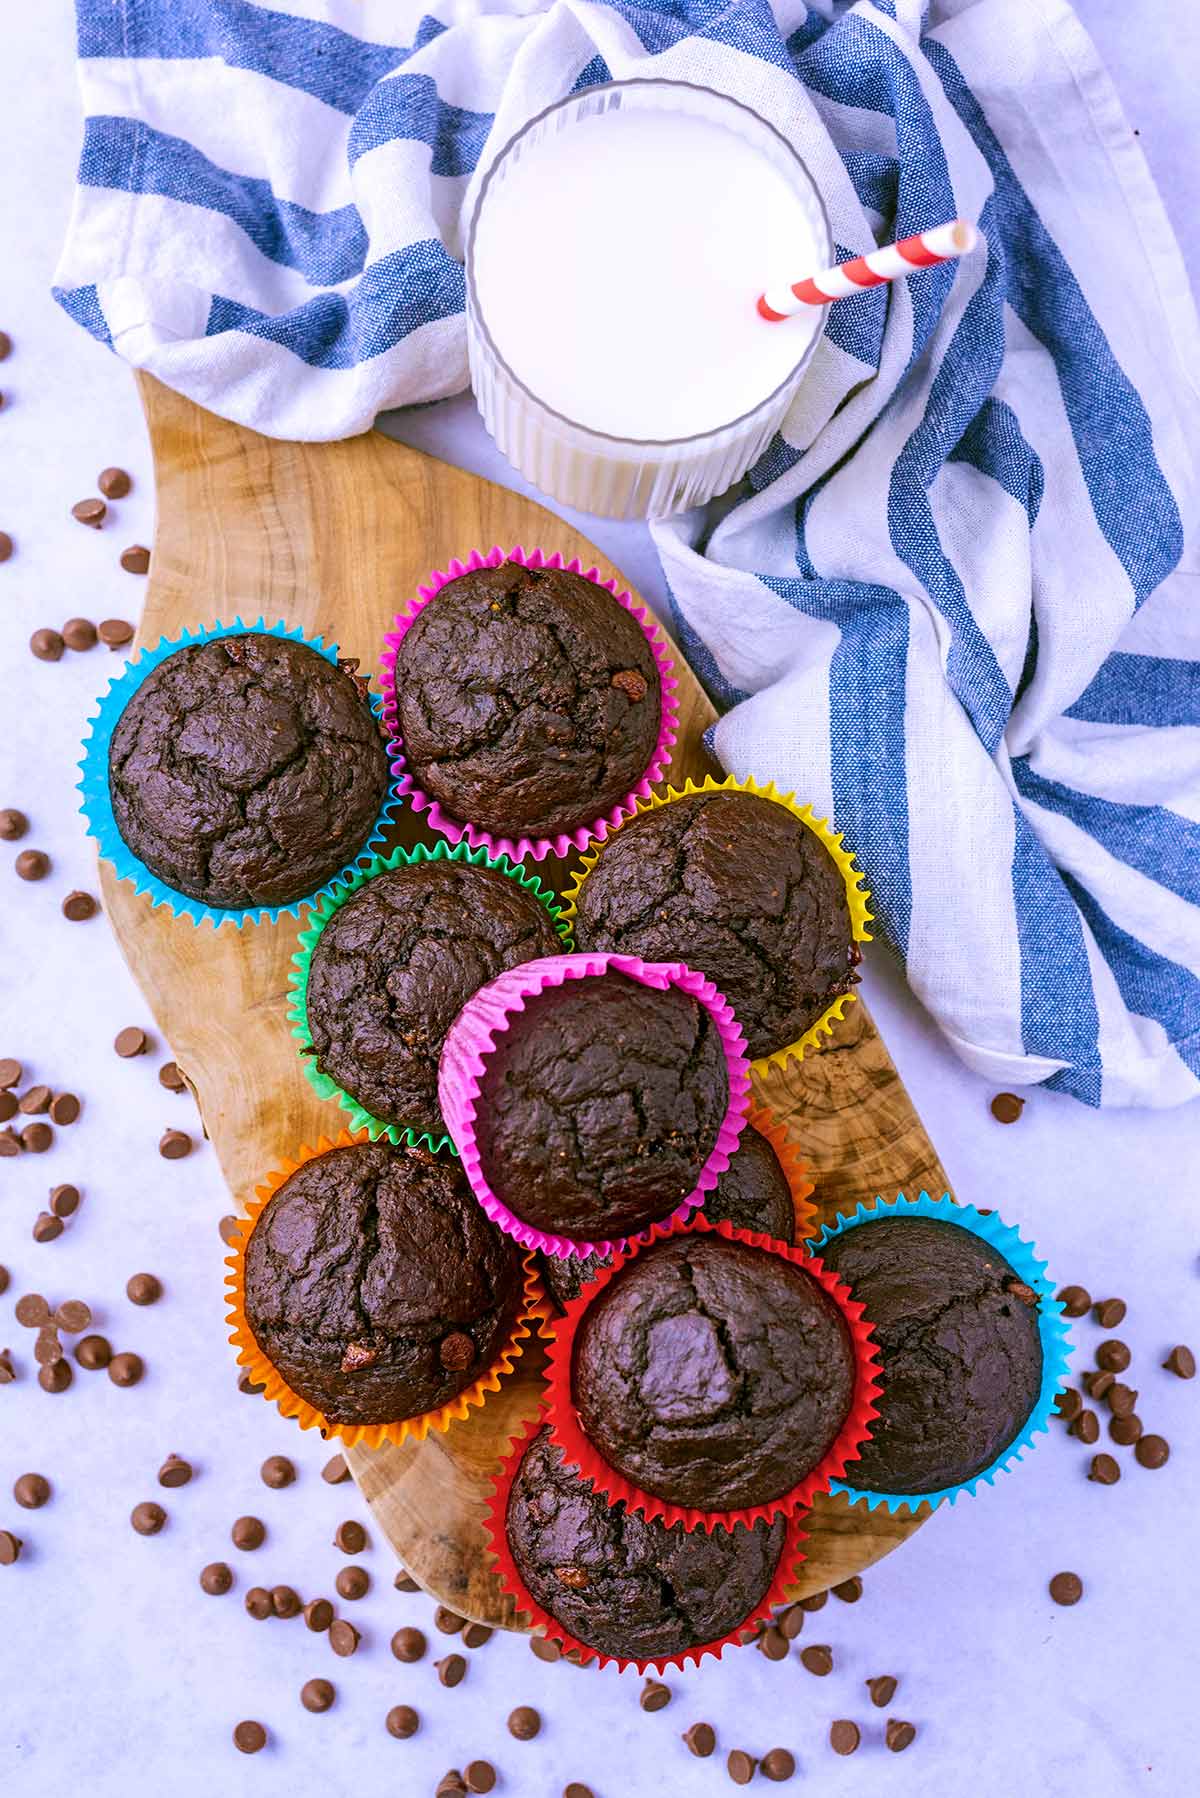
{"points": [[335, 537]]}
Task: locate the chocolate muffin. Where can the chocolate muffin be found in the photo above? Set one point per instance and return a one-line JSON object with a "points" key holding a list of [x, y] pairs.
{"points": [[377, 1286], [752, 1194], [959, 1343], [739, 888], [247, 771], [528, 700], [711, 1373], [394, 966], [600, 1104], [621, 1584]]}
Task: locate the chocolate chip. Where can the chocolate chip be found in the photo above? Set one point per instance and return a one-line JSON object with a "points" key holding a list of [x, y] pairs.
{"points": [[1024, 1294], [13, 825], [1066, 1588], [258, 1603], [524, 1723], [655, 1696], [701, 1739], [350, 1537], [882, 1689], [740, 1766], [216, 1578], [849, 1591], [1181, 1361], [8, 1109], [544, 1648], [335, 1469], [8, 1372], [249, 1736], [456, 1352], [318, 1615], [93, 1353], [353, 1582], [817, 1659], [32, 1311], [1125, 1431], [574, 1789], [899, 1735], [402, 1721], [47, 645], [230, 1231], [774, 1644], [5, 346], [10, 1548], [791, 1621], [64, 1109], [1113, 1356], [3, 1279], [72, 1315], [173, 1145], [90, 511], [1076, 1301], [246, 1384], [277, 1471], [48, 1349], [143, 1289], [844, 1736], [450, 1785], [317, 1695], [114, 483], [136, 559], [6, 546], [451, 1670], [448, 1621], [131, 1041], [285, 1601], [147, 1518], [174, 1471], [479, 1775], [1104, 1471], [816, 1601], [10, 1143], [79, 634], [1109, 1313], [37, 1138], [115, 633], [343, 1637], [248, 1533], [56, 1377], [631, 683], [476, 1634], [31, 1491], [64, 1202], [32, 864], [126, 1369], [1122, 1399], [46, 1227], [1152, 1452], [1068, 1404], [34, 1099], [170, 1077], [409, 1644], [1006, 1108], [1098, 1383], [777, 1764], [1086, 1426]]}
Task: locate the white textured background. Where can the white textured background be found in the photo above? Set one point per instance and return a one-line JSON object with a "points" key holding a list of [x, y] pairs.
{"points": [[117, 1675]]}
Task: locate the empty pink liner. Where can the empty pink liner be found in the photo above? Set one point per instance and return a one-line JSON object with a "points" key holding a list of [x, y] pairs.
{"points": [[485, 1016], [526, 848]]}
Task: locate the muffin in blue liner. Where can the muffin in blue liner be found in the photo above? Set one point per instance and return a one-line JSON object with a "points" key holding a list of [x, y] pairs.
{"points": [[1030, 1286], [415, 1133], [96, 802]]}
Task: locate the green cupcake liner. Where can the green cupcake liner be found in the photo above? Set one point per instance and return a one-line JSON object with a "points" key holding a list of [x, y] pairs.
{"points": [[323, 1084]]}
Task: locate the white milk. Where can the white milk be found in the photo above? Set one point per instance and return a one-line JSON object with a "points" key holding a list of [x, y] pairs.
{"points": [[617, 267]]}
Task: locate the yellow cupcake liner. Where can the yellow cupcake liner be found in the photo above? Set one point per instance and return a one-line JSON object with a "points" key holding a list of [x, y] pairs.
{"points": [[857, 893], [276, 1389]]}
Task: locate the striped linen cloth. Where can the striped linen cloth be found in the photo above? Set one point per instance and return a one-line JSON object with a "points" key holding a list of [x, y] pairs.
{"points": [[956, 603]]}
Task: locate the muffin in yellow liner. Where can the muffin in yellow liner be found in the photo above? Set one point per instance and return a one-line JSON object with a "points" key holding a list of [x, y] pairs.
{"points": [[262, 1371], [857, 894]]}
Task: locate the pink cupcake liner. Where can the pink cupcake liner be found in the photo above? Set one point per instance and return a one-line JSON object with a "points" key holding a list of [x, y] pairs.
{"points": [[526, 848], [485, 1016]]}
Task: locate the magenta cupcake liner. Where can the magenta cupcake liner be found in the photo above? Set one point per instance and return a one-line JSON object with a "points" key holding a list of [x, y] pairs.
{"points": [[472, 1038], [526, 848]]}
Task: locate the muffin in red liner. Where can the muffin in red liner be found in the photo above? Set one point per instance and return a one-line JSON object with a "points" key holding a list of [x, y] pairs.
{"points": [[695, 1378], [699, 1577]]}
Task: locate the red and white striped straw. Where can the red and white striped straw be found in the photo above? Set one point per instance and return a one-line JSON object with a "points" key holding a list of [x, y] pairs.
{"points": [[927, 249]]}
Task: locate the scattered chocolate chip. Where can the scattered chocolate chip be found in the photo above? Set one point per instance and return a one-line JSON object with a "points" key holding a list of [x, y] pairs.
{"points": [[78, 908], [335, 1469], [8, 1107], [174, 1471], [32, 1311], [701, 1739], [1181, 1361], [1068, 1404], [36, 1139], [317, 1695], [655, 1696], [230, 1230], [248, 1533], [46, 1227], [1076, 1301], [6, 546], [1104, 1471], [817, 1659], [448, 1621], [899, 1735], [1098, 1383], [258, 1603], [318, 1614], [246, 1384], [64, 1109], [170, 1077], [451, 1669], [476, 1634], [774, 1644], [849, 1591], [31, 1491], [249, 1736], [114, 483], [173, 1145], [343, 1637], [479, 1775], [5, 346], [216, 1578], [1122, 1399], [147, 1518], [353, 1582], [13, 825], [402, 1721], [55, 1377], [1109, 1313], [10, 1548], [277, 1471], [574, 1789], [79, 634], [90, 511], [544, 1648], [350, 1537], [285, 1601], [47, 645], [72, 1315], [48, 1349], [1006, 1108], [1086, 1426], [740, 1766], [136, 559], [409, 1644], [1113, 1356], [791, 1621], [1125, 1431], [32, 864], [131, 1041], [456, 1351], [450, 1785], [1152, 1452], [3, 1279], [126, 1369], [777, 1764], [1066, 1588], [10, 1143], [816, 1601], [34, 1100], [114, 633], [882, 1689], [8, 1372], [844, 1736], [524, 1723], [143, 1289], [93, 1353], [64, 1202]]}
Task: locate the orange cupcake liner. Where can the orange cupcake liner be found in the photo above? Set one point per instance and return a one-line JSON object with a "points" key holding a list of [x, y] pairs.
{"points": [[276, 1388], [508, 1574], [567, 1432], [795, 1168]]}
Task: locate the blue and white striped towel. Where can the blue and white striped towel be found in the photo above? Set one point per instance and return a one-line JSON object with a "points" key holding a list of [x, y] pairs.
{"points": [[953, 606]]}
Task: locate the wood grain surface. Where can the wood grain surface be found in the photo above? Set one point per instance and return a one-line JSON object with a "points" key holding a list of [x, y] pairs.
{"points": [[335, 537]]}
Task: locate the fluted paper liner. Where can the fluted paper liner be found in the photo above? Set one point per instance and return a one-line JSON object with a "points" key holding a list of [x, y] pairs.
{"points": [[472, 1038], [324, 1085], [795, 1168], [1055, 1336], [578, 1450], [508, 1574], [857, 895], [96, 801], [523, 848], [276, 1388]]}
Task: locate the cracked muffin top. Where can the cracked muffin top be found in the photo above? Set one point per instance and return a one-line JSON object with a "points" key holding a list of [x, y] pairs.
{"points": [[377, 1286], [752, 1194], [621, 1584], [395, 965], [600, 1104], [739, 888], [959, 1342], [712, 1374], [247, 771], [528, 700]]}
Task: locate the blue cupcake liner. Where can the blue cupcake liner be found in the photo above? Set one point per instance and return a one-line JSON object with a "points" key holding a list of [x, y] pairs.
{"points": [[96, 801], [331, 902], [1055, 1335]]}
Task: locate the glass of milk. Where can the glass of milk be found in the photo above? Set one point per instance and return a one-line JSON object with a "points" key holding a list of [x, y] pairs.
{"points": [[615, 254]]}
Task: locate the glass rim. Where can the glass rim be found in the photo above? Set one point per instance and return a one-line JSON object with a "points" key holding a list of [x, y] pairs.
{"points": [[475, 307]]}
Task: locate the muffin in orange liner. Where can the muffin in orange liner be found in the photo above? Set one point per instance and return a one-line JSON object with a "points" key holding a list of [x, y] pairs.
{"points": [[276, 1389], [795, 1168], [506, 1571], [567, 1433]]}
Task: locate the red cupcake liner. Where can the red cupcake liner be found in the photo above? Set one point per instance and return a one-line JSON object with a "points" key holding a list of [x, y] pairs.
{"points": [[506, 1571], [567, 1433]]}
